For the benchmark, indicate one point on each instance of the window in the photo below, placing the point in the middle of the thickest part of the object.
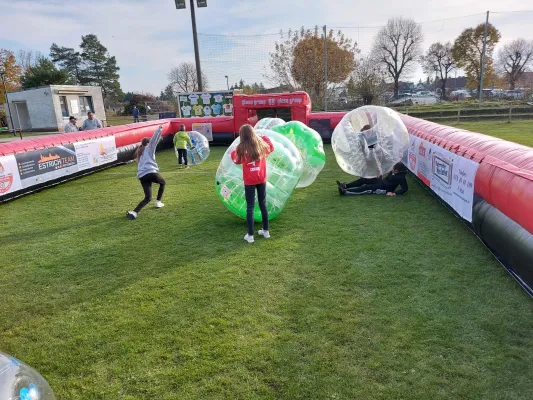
(64, 106)
(86, 104)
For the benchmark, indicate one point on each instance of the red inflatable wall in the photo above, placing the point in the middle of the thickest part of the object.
(504, 178)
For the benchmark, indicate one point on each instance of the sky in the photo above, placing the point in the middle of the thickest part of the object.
(149, 37)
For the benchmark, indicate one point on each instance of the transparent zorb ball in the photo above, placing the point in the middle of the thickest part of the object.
(309, 143)
(268, 123)
(284, 169)
(19, 381)
(369, 140)
(199, 151)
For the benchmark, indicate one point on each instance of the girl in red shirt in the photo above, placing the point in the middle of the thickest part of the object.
(251, 153)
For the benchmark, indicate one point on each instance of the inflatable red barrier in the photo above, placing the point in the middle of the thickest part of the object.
(505, 175)
(502, 212)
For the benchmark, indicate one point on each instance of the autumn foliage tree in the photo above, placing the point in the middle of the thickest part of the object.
(13, 72)
(298, 61)
(468, 52)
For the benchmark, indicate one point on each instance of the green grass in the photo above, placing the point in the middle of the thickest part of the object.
(352, 298)
(516, 131)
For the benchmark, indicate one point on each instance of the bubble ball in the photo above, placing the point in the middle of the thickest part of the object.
(268, 123)
(311, 148)
(199, 151)
(372, 152)
(20, 381)
(284, 169)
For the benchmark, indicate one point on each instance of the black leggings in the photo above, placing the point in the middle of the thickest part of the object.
(250, 204)
(182, 153)
(146, 182)
(364, 185)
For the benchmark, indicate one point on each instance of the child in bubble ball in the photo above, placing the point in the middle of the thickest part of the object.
(377, 185)
(251, 153)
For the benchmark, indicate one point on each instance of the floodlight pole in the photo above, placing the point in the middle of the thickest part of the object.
(483, 55)
(325, 70)
(227, 81)
(196, 50)
(2, 75)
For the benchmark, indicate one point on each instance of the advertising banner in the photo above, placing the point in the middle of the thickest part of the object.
(43, 165)
(9, 175)
(205, 129)
(23, 170)
(206, 104)
(449, 175)
(93, 153)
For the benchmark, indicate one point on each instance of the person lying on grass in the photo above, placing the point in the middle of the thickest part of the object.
(377, 185)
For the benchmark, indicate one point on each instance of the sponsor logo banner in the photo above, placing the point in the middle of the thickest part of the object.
(449, 175)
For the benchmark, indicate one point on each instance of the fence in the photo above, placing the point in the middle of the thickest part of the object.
(228, 60)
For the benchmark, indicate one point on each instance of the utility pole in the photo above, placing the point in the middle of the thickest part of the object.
(180, 4)
(196, 51)
(325, 70)
(2, 75)
(483, 55)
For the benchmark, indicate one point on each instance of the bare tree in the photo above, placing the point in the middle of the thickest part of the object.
(27, 59)
(398, 46)
(513, 59)
(367, 80)
(439, 59)
(184, 78)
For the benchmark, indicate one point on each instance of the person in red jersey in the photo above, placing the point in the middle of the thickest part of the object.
(251, 153)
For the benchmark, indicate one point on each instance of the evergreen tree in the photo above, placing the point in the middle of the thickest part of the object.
(68, 59)
(44, 73)
(92, 66)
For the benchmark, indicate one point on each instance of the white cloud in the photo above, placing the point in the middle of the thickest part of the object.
(148, 37)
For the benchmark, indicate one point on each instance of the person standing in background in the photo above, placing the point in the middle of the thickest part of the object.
(71, 125)
(135, 113)
(91, 123)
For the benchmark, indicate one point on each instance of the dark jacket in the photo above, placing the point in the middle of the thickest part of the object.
(392, 181)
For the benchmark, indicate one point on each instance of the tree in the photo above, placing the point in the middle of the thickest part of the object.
(439, 59)
(298, 61)
(398, 46)
(44, 73)
(100, 68)
(367, 80)
(8, 64)
(513, 59)
(27, 59)
(184, 78)
(92, 66)
(69, 59)
(468, 51)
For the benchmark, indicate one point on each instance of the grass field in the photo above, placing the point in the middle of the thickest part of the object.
(352, 298)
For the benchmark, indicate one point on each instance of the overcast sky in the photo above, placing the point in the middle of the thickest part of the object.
(148, 37)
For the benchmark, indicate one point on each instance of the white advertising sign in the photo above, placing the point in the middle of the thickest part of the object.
(449, 175)
(93, 153)
(9, 175)
(74, 106)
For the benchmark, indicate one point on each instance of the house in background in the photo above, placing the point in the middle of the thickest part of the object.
(48, 108)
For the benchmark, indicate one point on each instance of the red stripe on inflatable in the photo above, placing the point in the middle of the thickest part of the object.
(505, 175)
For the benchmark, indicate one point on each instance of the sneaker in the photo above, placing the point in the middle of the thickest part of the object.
(265, 234)
(342, 191)
(186, 167)
(131, 215)
(249, 238)
(341, 184)
(158, 204)
(380, 191)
